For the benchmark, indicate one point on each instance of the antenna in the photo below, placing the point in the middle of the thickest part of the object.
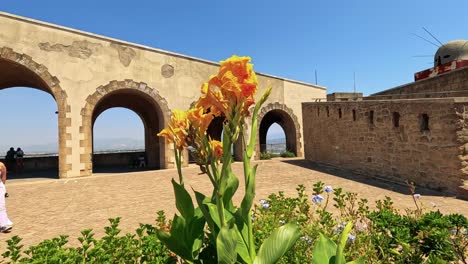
(426, 40)
(355, 97)
(354, 78)
(315, 76)
(432, 36)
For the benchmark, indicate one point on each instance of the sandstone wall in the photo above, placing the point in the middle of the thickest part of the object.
(452, 84)
(433, 156)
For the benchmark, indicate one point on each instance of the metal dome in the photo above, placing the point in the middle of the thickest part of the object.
(451, 51)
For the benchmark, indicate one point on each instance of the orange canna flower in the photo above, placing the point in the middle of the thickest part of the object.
(177, 130)
(212, 100)
(239, 70)
(199, 119)
(179, 119)
(217, 148)
(237, 84)
(167, 134)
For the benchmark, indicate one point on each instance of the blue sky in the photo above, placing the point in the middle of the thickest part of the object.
(291, 39)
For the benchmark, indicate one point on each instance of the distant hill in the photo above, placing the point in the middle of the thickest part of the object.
(106, 144)
(276, 140)
(102, 144)
(109, 144)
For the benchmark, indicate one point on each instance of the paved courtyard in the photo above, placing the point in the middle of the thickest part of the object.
(42, 209)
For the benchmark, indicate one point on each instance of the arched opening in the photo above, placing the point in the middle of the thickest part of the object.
(33, 120)
(150, 114)
(118, 141)
(275, 140)
(215, 131)
(283, 120)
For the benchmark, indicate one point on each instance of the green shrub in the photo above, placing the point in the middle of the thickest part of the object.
(144, 246)
(381, 236)
(288, 154)
(268, 155)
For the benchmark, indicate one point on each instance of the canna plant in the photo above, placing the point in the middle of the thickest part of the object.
(229, 94)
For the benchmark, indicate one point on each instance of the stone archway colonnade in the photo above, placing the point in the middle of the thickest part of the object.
(88, 74)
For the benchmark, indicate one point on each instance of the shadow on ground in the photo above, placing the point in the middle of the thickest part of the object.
(33, 175)
(53, 174)
(395, 186)
(107, 170)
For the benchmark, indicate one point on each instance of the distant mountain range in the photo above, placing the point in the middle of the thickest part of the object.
(276, 140)
(103, 144)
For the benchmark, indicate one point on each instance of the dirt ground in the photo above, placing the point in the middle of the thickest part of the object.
(42, 209)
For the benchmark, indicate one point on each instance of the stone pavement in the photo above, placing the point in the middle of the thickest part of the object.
(42, 209)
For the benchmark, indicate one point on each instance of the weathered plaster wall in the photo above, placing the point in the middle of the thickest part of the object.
(83, 62)
(435, 158)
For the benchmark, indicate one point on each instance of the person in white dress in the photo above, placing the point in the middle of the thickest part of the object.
(5, 224)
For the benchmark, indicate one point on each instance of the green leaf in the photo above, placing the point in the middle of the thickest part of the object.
(226, 245)
(186, 237)
(195, 232)
(232, 183)
(324, 250)
(213, 211)
(183, 201)
(202, 200)
(277, 244)
(340, 259)
(358, 261)
(249, 196)
(253, 132)
(242, 248)
(175, 240)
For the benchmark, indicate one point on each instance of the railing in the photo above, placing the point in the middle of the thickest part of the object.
(277, 148)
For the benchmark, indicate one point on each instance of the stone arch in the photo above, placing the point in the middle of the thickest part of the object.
(21, 70)
(138, 97)
(285, 117)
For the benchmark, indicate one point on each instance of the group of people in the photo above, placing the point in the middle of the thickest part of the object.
(14, 159)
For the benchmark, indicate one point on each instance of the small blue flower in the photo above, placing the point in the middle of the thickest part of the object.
(317, 199)
(342, 225)
(265, 205)
(339, 228)
(453, 231)
(263, 201)
(282, 222)
(361, 226)
(328, 189)
(351, 238)
(308, 240)
(417, 195)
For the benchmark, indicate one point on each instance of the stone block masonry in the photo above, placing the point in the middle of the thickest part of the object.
(452, 84)
(422, 140)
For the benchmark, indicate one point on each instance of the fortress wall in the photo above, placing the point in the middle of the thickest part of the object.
(434, 158)
(451, 84)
